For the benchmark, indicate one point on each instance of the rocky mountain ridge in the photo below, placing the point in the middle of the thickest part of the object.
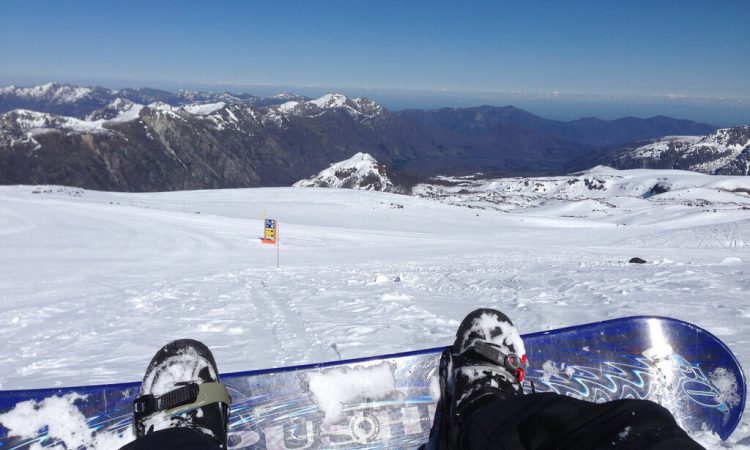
(588, 131)
(150, 140)
(128, 146)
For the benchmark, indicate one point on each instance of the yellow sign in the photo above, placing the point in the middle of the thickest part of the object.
(269, 232)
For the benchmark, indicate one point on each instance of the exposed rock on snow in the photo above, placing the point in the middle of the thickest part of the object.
(725, 152)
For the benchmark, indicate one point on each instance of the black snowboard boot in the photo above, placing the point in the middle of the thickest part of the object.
(487, 360)
(181, 389)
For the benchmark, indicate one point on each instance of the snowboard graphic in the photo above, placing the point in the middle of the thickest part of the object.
(389, 401)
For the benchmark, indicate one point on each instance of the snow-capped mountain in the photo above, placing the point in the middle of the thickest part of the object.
(191, 97)
(52, 92)
(55, 98)
(725, 152)
(361, 171)
(289, 96)
(362, 106)
(81, 102)
(356, 107)
(146, 139)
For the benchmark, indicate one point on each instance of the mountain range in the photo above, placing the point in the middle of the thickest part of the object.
(152, 140)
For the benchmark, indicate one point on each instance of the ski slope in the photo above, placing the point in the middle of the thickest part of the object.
(92, 283)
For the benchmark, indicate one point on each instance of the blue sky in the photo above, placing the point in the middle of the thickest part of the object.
(458, 51)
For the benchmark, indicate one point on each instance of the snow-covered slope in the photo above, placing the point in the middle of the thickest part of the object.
(361, 171)
(92, 283)
(727, 151)
(603, 191)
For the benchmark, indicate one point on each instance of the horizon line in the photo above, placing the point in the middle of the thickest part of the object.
(448, 92)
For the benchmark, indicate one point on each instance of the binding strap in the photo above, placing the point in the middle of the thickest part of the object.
(183, 399)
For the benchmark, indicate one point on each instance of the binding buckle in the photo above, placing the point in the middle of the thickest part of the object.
(513, 363)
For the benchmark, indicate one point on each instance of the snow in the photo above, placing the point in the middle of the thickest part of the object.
(182, 367)
(330, 101)
(129, 111)
(287, 107)
(93, 283)
(358, 107)
(333, 388)
(63, 421)
(203, 109)
(33, 122)
(483, 326)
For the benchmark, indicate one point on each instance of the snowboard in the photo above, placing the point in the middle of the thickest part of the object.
(389, 401)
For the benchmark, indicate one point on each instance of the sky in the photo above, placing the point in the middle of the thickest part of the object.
(417, 53)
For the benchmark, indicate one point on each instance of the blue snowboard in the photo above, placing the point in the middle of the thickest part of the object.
(389, 401)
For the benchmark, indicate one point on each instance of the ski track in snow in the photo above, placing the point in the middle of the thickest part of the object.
(93, 283)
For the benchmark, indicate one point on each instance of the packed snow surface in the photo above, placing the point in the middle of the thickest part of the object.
(93, 283)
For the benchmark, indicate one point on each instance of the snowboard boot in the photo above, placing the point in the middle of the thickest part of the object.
(486, 361)
(181, 389)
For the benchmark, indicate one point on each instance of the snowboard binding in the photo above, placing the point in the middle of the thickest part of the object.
(487, 360)
(181, 389)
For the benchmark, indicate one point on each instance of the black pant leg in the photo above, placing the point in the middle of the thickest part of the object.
(173, 438)
(551, 421)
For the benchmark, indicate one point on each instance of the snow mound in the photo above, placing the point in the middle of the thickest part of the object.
(361, 171)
